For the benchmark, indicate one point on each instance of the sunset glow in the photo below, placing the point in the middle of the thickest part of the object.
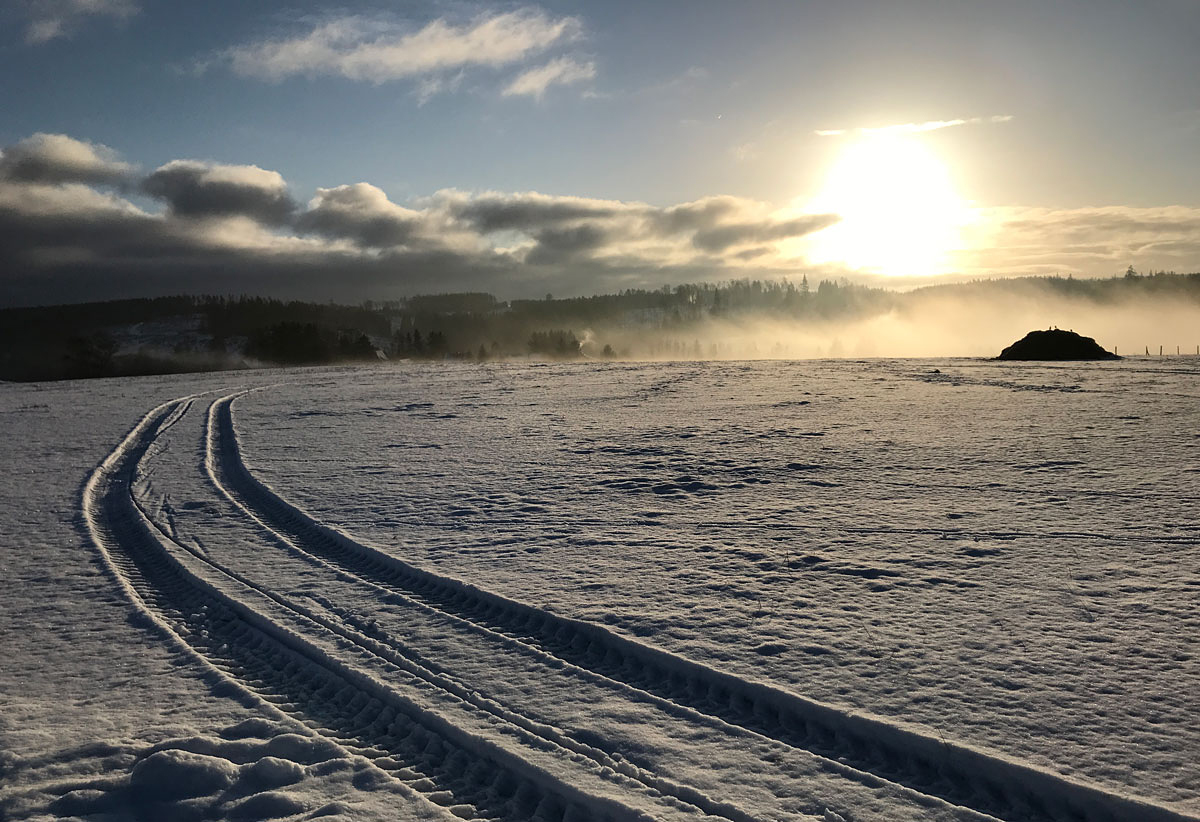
(901, 214)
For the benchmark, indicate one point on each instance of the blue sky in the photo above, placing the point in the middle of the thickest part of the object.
(1033, 138)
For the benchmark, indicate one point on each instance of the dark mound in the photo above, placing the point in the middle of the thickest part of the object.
(1055, 345)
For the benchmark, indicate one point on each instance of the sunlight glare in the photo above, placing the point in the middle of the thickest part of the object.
(901, 214)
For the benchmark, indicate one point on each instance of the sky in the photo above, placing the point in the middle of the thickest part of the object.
(374, 150)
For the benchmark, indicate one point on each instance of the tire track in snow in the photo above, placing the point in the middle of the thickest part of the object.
(549, 671)
(727, 756)
(985, 782)
(327, 615)
(269, 666)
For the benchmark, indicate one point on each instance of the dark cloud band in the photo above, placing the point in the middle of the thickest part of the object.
(193, 189)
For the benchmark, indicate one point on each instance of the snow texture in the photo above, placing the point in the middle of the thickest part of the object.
(820, 590)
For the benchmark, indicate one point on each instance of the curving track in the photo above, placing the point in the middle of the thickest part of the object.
(493, 708)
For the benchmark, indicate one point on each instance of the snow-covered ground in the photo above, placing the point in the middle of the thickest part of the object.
(891, 589)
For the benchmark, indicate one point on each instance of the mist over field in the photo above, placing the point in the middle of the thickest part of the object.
(735, 320)
(956, 324)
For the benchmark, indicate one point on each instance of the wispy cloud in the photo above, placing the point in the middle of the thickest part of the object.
(49, 19)
(745, 152)
(429, 87)
(378, 51)
(913, 128)
(561, 71)
(1098, 240)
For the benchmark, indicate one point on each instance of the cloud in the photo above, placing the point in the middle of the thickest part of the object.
(361, 213)
(57, 158)
(560, 71)
(43, 228)
(560, 245)
(49, 19)
(62, 218)
(1087, 241)
(196, 189)
(429, 87)
(700, 215)
(375, 50)
(236, 228)
(913, 128)
(1088, 224)
(492, 211)
(561, 228)
(723, 237)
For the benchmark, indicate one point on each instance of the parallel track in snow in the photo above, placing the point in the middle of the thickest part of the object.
(371, 640)
(982, 782)
(279, 664)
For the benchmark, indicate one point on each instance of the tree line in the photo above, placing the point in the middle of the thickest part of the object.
(184, 333)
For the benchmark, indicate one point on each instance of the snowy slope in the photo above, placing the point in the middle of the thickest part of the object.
(879, 590)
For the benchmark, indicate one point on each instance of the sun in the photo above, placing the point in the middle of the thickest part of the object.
(901, 215)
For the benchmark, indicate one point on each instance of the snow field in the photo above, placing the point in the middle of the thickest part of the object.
(1002, 556)
(656, 783)
(90, 692)
(879, 590)
(282, 654)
